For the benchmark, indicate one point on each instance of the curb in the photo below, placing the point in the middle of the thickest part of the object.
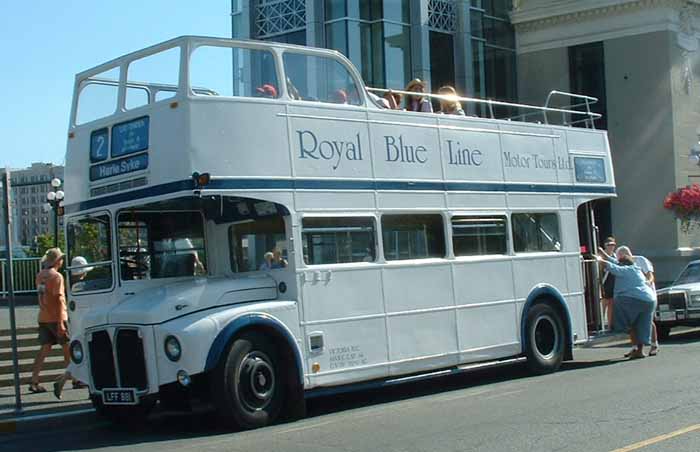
(57, 419)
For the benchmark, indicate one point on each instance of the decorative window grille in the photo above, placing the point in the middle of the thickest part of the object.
(442, 16)
(274, 17)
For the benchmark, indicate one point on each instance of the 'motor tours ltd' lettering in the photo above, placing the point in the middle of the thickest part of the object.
(311, 147)
(535, 161)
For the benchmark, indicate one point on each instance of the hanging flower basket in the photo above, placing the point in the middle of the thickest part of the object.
(685, 204)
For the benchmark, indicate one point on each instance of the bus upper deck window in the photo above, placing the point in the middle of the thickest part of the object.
(320, 79)
(160, 69)
(98, 96)
(233, 72)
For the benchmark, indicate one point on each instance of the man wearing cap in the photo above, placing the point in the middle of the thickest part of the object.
(267, 91)
(53, 316)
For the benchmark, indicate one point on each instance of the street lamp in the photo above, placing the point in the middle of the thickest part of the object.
(54, 200)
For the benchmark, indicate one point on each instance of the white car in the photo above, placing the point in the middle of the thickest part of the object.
(679, 303)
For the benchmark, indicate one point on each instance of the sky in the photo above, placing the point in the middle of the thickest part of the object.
(45, 43)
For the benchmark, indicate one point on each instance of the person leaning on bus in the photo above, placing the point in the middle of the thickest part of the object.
(53, 315)
(635, 301)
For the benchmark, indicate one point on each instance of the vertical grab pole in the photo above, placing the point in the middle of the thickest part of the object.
(7, 209)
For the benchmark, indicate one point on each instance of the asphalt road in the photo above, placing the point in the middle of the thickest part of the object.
(599, 402)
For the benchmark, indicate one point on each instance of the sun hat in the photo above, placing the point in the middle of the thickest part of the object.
(79, 261)
(415, 82)
(267, 90)
(52, 256)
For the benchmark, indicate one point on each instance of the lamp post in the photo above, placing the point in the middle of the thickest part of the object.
(54, 200)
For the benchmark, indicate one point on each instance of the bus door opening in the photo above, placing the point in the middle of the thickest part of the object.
(588, 240)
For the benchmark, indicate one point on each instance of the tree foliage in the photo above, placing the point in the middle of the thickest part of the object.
(46, 241)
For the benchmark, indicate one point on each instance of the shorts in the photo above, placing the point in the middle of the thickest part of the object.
(608, 286)
(48, 333)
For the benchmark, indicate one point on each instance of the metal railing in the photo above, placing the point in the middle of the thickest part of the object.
(584, 116)
(25, 270)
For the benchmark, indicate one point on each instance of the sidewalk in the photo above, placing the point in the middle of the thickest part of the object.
(40, 405)
(35, 406)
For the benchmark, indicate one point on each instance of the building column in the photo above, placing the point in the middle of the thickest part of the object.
(464, 67)
(420, 41)
(314, 24)
(242, 19)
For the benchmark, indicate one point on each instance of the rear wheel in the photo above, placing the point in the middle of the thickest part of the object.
(545, 339)
(248, 384)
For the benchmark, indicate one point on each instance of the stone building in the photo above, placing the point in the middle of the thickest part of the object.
(641, 59)
(30, 215)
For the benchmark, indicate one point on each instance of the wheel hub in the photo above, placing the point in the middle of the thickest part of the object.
(257, 381)
(546, 337)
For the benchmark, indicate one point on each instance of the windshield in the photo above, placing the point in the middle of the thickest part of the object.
(89, 254)
(691, 274)
(161, 244)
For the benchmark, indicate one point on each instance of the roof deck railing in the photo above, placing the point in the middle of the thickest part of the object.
(588, 119)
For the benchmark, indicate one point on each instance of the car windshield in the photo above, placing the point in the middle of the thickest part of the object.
(691, 274)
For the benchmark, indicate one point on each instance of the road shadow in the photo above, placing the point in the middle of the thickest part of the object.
(162, 427)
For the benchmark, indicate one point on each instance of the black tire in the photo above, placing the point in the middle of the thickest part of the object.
(248, 384)
(663, 332)
(545, 339)
(123, 415)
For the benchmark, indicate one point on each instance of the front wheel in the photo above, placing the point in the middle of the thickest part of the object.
(248, 386)
(545, 339)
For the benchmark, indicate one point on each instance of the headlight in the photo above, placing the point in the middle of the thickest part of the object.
(172, 348)
(76, 352)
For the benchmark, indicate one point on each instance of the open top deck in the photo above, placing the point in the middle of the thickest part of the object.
(267, 117)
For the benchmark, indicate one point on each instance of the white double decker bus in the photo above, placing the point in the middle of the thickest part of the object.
(259, 230)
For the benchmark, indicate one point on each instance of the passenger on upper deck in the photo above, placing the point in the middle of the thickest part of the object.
(450, 106)
(393, 99)
(267, 91)
(339, 96)
(417, 103)
(292, 90)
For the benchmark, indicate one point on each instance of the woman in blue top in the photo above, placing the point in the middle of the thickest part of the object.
(634, 302)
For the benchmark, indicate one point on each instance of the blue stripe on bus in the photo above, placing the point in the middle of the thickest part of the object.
(335, 184)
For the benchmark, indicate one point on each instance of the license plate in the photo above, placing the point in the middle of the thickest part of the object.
(119, 397)
(665, 316)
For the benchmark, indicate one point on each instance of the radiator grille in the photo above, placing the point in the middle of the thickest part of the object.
(102, 361)
(675, 300)
(131, 359)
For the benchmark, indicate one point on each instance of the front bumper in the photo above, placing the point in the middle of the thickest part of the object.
(688, 316)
